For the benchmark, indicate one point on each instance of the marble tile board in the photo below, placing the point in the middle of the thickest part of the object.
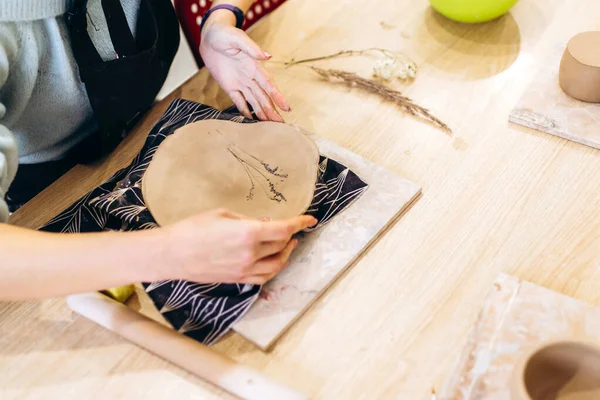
(546, 108)
(516, 316)
(322, 255)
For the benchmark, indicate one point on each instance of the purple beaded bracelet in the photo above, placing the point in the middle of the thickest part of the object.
(239, 14)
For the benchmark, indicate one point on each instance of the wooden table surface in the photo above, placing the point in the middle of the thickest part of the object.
(496, 197)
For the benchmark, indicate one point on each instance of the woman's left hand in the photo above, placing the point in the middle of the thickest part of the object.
(234, 60)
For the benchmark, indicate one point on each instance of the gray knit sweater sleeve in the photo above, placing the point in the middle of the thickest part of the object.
(8, 145)
(44, 108)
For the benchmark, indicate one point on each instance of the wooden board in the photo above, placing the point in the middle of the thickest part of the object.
(323, 255)
(516, 317)
(545, 107)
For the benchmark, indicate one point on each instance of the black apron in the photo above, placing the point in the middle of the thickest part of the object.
(120, 90)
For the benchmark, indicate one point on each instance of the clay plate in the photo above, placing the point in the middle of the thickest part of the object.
(265, 169)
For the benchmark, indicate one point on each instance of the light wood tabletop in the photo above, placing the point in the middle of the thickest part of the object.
(496, 197)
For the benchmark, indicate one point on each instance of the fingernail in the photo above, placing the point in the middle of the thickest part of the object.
(295, 243)
(264, 219)
(315, 222)
(267, 55)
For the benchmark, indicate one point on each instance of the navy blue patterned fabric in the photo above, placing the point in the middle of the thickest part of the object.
(202, 311)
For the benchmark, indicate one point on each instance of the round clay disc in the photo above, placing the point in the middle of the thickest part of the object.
(264, 169)
(579, 74)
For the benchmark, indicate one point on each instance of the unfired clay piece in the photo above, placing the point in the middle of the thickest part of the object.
(264, 169)
(579, 74)
(561, 370)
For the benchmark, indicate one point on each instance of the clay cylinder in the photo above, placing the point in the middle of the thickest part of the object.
(561, 370)
(579, 74)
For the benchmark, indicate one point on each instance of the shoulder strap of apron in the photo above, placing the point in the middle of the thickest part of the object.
(120, 35)
(121, 90)
(77, 22)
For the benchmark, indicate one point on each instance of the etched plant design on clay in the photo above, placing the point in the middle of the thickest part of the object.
(259, 172)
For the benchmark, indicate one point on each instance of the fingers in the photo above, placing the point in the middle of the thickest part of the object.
(283, 230)
(268, 84)
(232, 215)
(254, 103)
(265, 102)
(266, 249)
(269, 267)
(241, 41)
(240, 102)
(263, 91)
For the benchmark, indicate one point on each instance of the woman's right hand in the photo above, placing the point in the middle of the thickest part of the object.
(221, 246)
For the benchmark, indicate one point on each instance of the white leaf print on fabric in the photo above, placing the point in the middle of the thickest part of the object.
(202, 311)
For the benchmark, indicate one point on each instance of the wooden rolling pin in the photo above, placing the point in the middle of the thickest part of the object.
(179, 349)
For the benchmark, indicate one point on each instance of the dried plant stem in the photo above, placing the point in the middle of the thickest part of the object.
(252, 171)
(350, 79)
(342, 53)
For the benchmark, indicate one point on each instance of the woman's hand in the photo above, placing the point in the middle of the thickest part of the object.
(213, 247)
(220, 246)
(234, 61)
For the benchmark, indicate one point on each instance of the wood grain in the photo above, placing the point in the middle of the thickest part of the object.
(496, 197)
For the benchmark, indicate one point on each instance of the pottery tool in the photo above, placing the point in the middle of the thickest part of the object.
(179, 349)
(322, 255)
(545, 107)
(516, 317)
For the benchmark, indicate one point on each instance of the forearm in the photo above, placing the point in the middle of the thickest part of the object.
(37, 264)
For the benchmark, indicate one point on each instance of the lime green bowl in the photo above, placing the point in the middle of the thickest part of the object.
(472, 11)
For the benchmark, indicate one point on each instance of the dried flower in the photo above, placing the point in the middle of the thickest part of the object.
(384, 68)
(350, 79)
(390, 64)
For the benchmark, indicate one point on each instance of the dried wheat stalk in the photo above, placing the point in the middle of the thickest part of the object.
(350, 79)
(393, 63)
(342, 53)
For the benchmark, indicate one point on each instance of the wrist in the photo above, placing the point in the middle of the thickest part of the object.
(221, 16)
(153, 251)
(226, 14)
